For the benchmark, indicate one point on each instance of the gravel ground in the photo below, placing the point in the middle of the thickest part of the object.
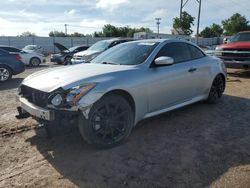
(197, 146)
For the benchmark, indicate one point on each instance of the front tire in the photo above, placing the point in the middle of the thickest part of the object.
(217, 89)
(109, 122)
(67, 60)
(5, 73)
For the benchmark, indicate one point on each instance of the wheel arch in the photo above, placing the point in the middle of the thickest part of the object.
(126, 95)
(224, 79)
(35, 57)
(6, 66)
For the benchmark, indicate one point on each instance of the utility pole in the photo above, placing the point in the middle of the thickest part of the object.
(181, 9)
(65, 25)
(198, 22)
(158, 26)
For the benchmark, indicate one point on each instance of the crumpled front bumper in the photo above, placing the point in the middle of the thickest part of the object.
(27, 109)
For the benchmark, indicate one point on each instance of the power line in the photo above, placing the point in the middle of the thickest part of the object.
(239, 5)
(182, 6)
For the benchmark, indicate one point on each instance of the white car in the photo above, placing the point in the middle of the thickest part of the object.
(33, 48)
(28, 58)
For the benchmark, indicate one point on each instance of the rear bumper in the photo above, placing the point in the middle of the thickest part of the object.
(19, 68)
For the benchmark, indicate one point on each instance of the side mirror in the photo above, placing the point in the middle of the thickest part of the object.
(164, 60)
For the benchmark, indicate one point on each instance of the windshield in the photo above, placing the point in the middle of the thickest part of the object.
(29, 47)
(100, 46)
(240, 37)
(132, 53)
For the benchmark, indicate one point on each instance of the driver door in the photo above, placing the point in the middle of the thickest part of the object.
(171, 84)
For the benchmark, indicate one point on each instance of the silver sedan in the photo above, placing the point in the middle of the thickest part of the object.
(122, 86)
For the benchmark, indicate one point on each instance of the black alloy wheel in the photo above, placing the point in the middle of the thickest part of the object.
(109, 123)
(216, 90)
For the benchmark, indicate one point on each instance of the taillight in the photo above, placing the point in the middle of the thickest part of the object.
(18, 57)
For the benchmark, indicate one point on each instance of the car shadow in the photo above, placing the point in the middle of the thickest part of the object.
(239, 73)
(10, 84)
(189, 147)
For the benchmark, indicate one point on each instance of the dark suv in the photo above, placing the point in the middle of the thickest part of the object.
(10, 64)
(65, 55)
(96, 49)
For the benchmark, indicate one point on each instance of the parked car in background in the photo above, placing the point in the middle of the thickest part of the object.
(28, 58)
(96, 49)
(33, 48)
(123, 85)
(10, 64)
(236, 52)
(65, 55)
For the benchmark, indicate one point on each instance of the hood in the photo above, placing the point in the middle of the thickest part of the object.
(53, 78)
(87, 53)
(236, 45)
(60, 46)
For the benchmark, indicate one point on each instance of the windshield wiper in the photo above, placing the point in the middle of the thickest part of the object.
(109, 63)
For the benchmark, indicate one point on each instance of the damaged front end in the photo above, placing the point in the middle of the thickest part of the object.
(56, 105)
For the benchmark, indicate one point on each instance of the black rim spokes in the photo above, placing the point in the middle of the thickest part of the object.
(109, 122)
(218, 87)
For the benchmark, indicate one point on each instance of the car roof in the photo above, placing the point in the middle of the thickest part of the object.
(4, 51)
(118, 39)
(163, 40)
(245, 31)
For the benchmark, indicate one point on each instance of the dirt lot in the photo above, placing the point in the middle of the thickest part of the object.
(197, 146)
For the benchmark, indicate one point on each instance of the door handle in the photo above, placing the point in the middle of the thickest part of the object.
(192, 69)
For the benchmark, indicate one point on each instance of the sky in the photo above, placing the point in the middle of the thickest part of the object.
(86, 16)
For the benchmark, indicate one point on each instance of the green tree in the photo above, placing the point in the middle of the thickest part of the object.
(136, 30)
(27, 34)
(214, 30)
(184, 24)
(57, 34)
(98, 34)
(112, 31)
(76, 34)
(234, 24)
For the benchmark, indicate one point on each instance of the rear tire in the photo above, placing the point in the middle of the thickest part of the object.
(35, 62)
(5, 73)
(217, 89)
(109, 122)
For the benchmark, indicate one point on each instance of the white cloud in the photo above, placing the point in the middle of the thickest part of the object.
(110, 5)
(43, 16)
(70, 12)
(159, 13)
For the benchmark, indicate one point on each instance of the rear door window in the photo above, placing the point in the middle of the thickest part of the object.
(195, 52)
(10, 49)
